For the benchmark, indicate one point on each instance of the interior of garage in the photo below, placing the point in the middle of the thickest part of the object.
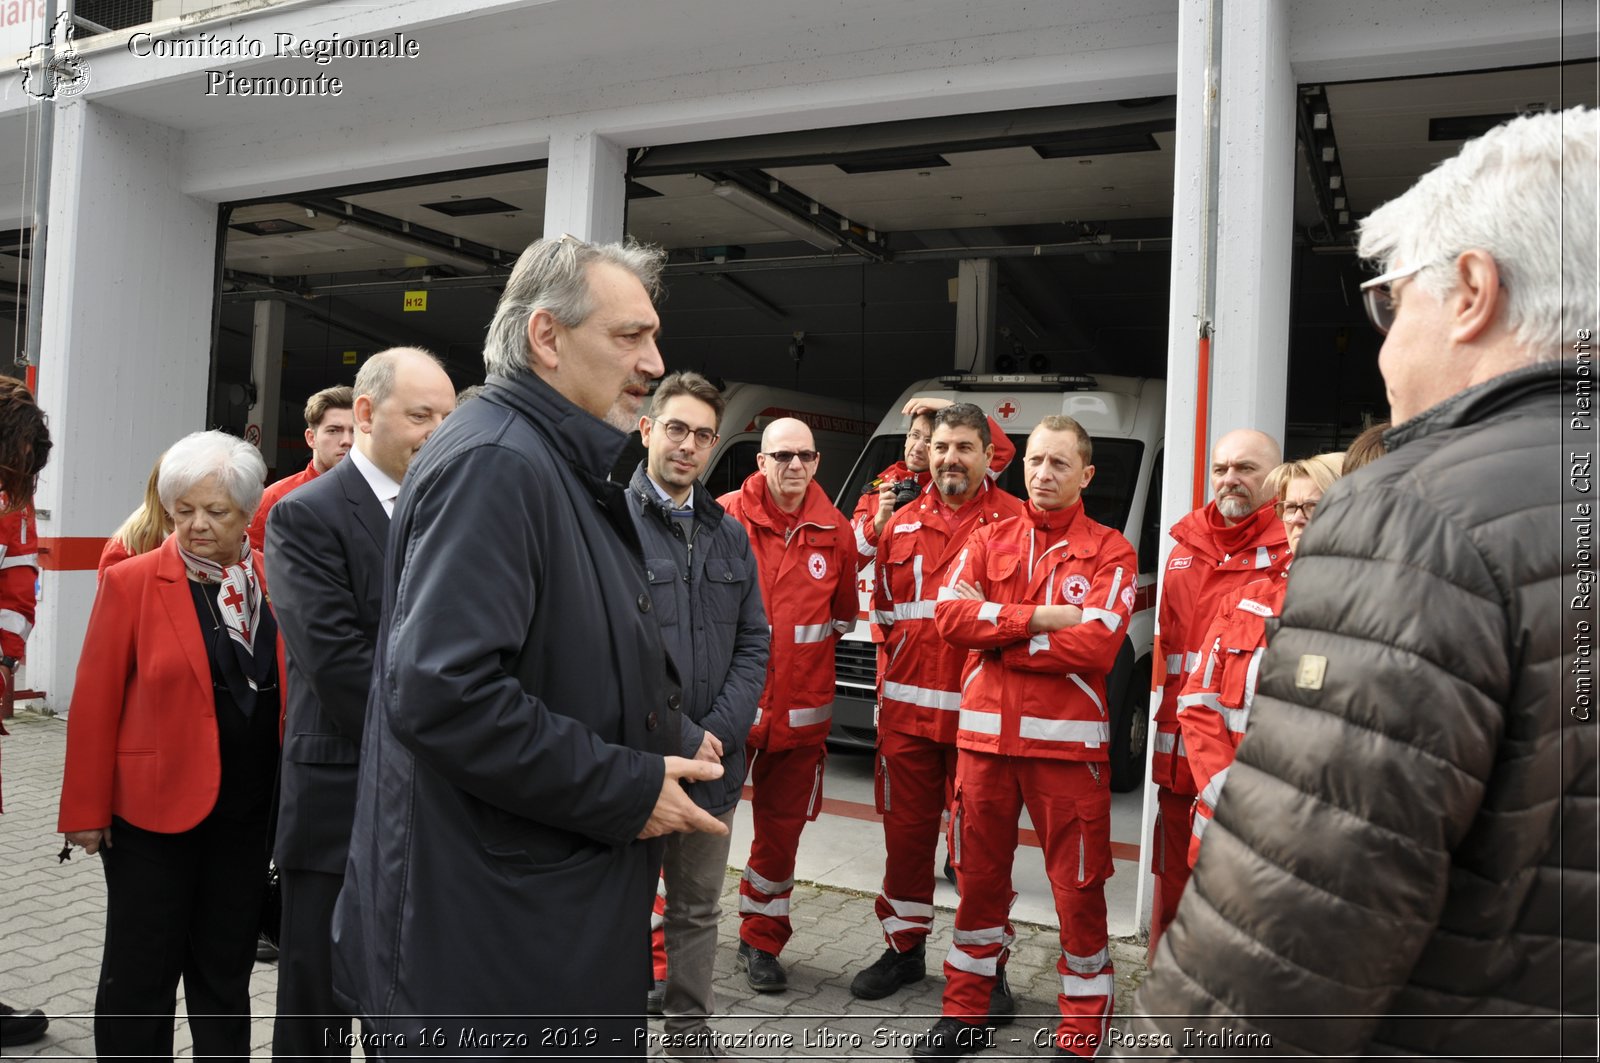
(829, 261)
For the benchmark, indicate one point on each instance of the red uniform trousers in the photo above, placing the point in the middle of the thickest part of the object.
(658, 933)
(914, 777)
(1169, 862)
(786, 793)
(1070, 804)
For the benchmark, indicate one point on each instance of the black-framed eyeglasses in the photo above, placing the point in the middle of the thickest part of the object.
(784, 457)
(677, 431)
(1291, 510)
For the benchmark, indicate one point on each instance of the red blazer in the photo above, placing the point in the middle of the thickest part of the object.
(142, 733)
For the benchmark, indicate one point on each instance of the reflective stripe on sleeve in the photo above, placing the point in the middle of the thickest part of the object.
(947, 594)
(1088, 732)
(946, 700)
(15, 622)
(914, 611)
(20, 560)
(1111, 599)
(1236, 719)
(1111, 620)
(864, 548)
(1174, 663)
(1039, 643)
(1213, 790)
(1171, 742)
(883, 616)
(990, 611)
(804, 633)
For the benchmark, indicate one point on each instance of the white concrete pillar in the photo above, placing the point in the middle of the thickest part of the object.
(266, 372)
(1255, 215)
(586, 187)
(129, 291)
(977, 294)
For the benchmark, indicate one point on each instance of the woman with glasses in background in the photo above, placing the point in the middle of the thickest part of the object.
(1214, 706)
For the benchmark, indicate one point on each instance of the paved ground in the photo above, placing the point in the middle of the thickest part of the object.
(52, 916)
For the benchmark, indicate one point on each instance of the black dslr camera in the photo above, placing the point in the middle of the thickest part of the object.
(906, 491)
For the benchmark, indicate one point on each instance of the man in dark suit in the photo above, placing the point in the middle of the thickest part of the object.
(326, 543)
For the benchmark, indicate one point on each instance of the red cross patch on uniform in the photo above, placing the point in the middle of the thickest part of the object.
(1127, 598)
(1075, 589)
(817, 565)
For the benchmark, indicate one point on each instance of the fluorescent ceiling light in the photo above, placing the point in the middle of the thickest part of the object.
(751, 203)
(399, 242)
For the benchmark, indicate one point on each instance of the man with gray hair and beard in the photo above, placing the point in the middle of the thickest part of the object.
(517, 757)
(1403, 861)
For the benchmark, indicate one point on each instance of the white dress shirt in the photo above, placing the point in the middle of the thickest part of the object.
(385, 488)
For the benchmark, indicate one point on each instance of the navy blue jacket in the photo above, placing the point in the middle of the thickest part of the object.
(708, 602)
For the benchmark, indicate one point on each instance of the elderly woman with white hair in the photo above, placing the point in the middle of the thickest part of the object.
(172, 749)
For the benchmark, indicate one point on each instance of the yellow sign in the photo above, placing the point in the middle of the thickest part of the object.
(349, 357)
(416, 301)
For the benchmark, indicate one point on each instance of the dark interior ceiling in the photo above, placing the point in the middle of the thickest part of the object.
(851, 238)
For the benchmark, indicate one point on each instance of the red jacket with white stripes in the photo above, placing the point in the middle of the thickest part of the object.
(19, 578)
(1040, 695)
(919, 673)
(808, 586)
(1214, 706)
(867, 505)
(1211, 561)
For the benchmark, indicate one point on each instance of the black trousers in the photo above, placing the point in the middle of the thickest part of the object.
(310, 1021)
(180, 906)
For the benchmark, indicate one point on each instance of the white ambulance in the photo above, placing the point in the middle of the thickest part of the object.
(1125, 417)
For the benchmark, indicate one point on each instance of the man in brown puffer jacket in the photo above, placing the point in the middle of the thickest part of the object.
(1404, 861)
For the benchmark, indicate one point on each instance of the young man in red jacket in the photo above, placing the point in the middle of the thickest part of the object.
(1234, 540)
(919, 686)
(878, 502)
(1041, 603)
(806, 557)
(330, 433)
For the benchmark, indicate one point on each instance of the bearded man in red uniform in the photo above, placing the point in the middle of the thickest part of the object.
(806, 558)
(1234, 540)
(919, 686)
(1041, 602)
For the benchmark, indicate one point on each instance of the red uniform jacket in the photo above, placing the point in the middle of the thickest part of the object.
(113, 553)
(1039, 695)
(808, 586)
(142, 733)
(1214, 706)
(269, 498)
(19, 578)
(867, 504)
(919, 673)
(1210, 562)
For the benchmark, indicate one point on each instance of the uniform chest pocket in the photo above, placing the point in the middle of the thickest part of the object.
(1000, 567)
(902, 548)
(1239, 657)
(722, 583)
(662, 572)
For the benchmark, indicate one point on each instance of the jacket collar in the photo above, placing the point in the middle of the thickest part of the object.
(576, 435)
(814, 508)
(358, 491)
(1479, 402)
(706, 509)
(1198, 530)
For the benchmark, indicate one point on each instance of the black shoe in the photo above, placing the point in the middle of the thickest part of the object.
(21, 1027)
(1002, 1005)
(891, 971)
(950, 1039)
(762, 969)
(266, 951)
(950, 871)
(656, 999)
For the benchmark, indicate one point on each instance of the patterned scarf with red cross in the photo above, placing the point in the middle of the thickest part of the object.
(238, 596)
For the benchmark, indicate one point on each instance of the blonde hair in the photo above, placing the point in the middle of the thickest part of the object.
(1320, 469)
(147, 526)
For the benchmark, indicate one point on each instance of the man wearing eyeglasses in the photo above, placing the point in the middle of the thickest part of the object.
(806, 555)
(1403, 861)
(703, 584)
(1235, 539)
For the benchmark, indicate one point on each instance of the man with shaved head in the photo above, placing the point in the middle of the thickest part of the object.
(1220, 547)
(806, 558)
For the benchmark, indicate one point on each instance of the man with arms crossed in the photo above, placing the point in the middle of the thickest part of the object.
(519, 738)
(326, 548)
(703, 585)
(920, 688)
(1041, 602)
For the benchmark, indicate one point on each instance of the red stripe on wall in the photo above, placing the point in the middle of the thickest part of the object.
(79, 553)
